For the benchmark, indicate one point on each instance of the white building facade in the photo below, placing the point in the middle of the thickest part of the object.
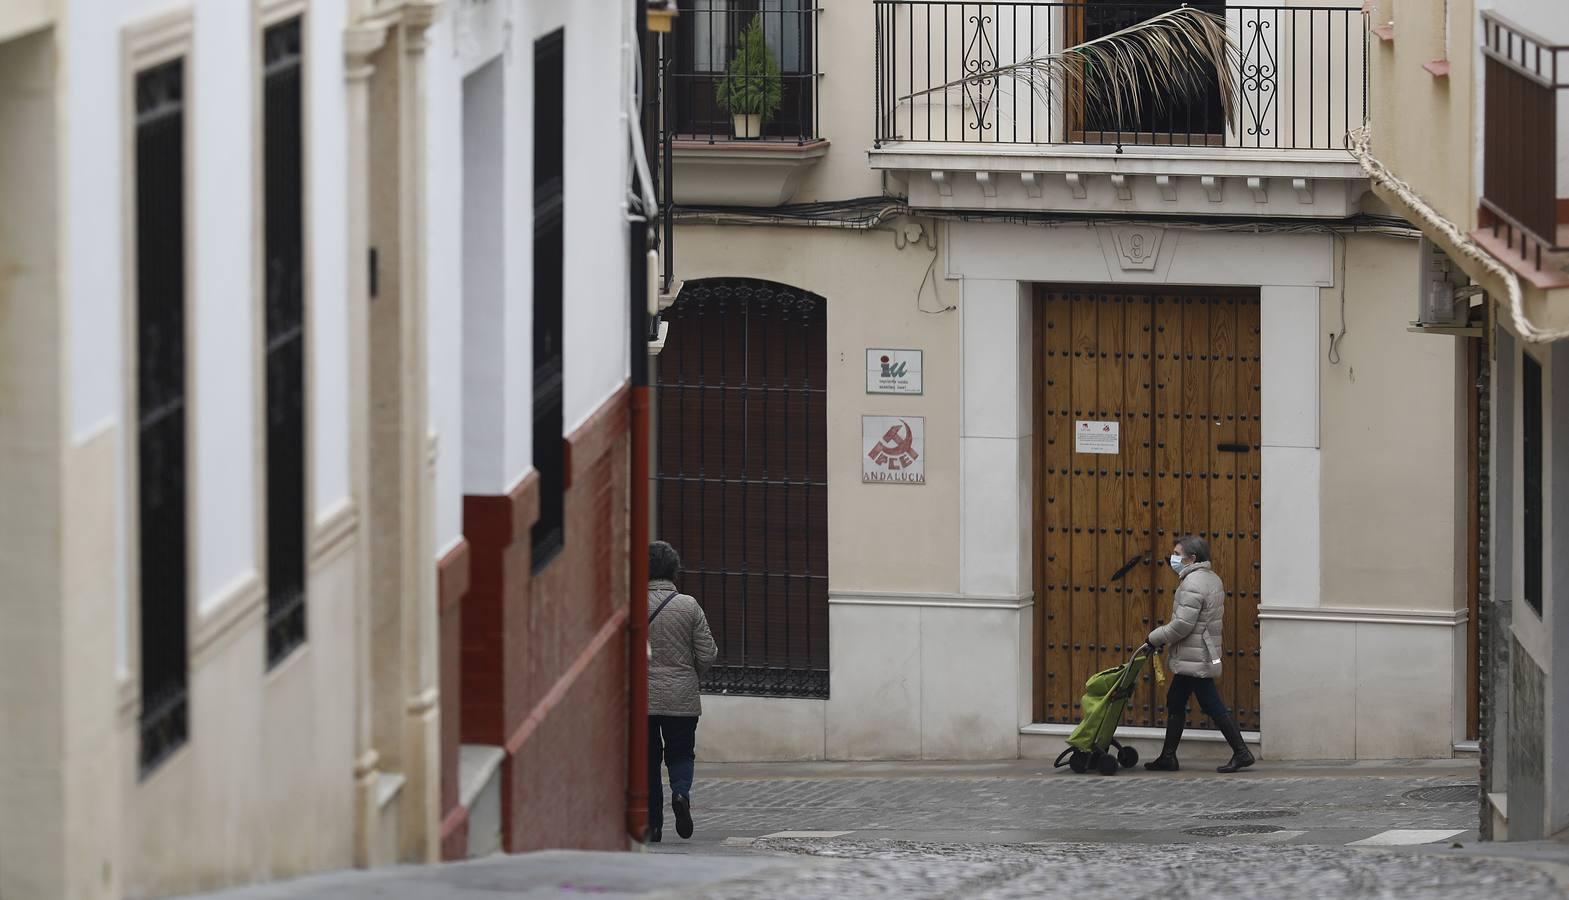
(270, 353)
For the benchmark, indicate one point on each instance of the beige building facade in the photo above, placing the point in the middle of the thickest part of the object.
(959, 615)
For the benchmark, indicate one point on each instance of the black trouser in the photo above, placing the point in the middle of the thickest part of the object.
(673, 740)
(1185, 686)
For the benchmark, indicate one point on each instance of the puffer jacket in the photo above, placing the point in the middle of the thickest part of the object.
(680, 650)
(1193, 634)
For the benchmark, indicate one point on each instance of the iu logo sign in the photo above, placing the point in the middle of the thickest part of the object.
(893, 447)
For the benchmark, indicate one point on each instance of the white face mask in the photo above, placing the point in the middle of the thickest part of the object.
(1176, 563)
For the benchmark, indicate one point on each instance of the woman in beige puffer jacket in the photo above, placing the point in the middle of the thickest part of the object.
(1193, 642)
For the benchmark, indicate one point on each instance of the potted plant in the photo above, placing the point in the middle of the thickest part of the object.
(752, 87)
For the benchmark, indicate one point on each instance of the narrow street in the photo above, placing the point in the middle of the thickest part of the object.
(1020, 829)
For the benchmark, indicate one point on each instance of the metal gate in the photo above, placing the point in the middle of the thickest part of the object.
(1178, 370)
(742, 476)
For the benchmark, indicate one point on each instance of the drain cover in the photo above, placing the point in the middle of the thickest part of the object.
(1249, 814)
(1228, 830)
(1455, 793)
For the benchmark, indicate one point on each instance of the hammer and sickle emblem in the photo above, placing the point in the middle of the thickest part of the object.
(893, 450)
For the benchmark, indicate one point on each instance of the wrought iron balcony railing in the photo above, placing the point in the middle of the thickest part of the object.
(1299, 76)
(1523, 199)
(720, 85)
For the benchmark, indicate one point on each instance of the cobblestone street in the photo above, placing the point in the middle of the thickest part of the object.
(1030, 801)
(1020, 829)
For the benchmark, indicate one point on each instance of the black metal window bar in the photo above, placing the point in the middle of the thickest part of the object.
(742, 475)
(164, 724)
(548, 535)
(704, 61)
(1522, 199)
(1531, 461)
(284, 222)
(1300, 75)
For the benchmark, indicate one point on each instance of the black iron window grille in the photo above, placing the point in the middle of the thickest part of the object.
(714, 76)
(164, 724)
(284, 218)
(549, 531)
(1300, 75)
(742, 477)
(1531, 462)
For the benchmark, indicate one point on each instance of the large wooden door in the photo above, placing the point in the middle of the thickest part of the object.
(1178, 370)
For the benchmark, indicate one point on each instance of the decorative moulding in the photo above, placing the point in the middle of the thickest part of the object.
(1124, 189)
(334, 533)
(1137, 248)
(240, 608)
(1367, 616)
(158, 39)
(271, 12)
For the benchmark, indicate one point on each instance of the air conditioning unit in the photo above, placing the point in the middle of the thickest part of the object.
(1443, 296)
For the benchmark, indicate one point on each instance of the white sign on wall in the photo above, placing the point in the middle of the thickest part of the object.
(893, 450)
(893, 371)
(1095, 437)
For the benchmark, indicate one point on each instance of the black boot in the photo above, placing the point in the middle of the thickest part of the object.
(1241, 757)
(1167, 761)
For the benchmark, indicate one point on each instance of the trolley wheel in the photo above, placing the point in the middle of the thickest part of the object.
(1079, 762)
(1128, 756)
(1107, 764)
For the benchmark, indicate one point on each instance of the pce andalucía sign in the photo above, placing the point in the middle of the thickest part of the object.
(893, 450)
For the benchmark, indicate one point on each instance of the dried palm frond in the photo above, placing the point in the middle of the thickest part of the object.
(1177, 54)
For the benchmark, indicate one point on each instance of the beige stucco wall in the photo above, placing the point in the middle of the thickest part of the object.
(885, 537)
(18, 17)
(1423, 127)
(263, 788)
(1388, 441)
(846, 104)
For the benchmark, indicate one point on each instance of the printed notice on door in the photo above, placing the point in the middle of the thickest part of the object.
(1095, 437)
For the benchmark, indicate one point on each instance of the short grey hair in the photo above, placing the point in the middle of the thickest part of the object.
(664, 564)
(1194, 546)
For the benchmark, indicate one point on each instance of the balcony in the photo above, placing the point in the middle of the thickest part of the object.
(740, 100)
(1019, 140)
(1523, 214)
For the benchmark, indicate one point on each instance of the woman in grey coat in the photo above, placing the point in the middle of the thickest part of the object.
(1192, 639)
(680, 650)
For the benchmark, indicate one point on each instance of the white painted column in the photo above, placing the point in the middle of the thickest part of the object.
(995, 447)
(995, 438)
(1290, 403)
(360, 44)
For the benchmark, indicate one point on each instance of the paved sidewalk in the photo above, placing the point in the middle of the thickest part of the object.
(1019, 829)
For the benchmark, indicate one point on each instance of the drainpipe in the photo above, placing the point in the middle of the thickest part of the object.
(637, 550)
